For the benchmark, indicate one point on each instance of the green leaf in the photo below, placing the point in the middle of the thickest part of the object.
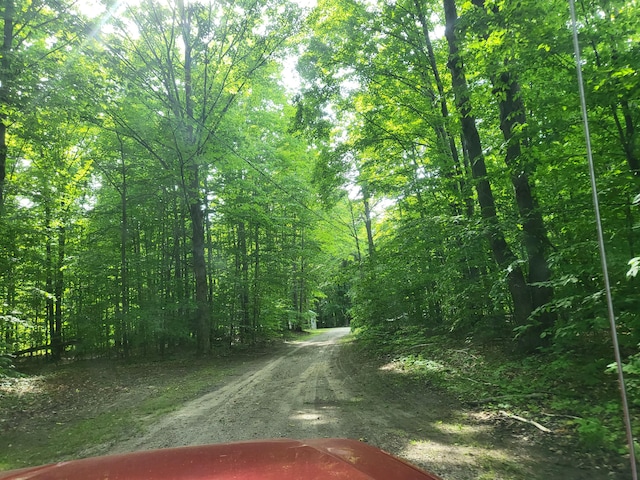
(634, 267)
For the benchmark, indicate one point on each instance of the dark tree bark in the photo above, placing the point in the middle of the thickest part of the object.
(462, 170)
(203, 326)
(302, 307)
(503, 255)
(536, 242)
(210, 270)
(256, 279)
(56, 340)
(245, 327)
(196, 210)
(627, 136)
(124, 274)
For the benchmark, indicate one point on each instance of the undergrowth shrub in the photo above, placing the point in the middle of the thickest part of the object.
(571, 392)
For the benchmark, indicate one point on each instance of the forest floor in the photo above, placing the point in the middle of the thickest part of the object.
(318, 386)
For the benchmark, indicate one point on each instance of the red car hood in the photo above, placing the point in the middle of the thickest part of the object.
(321, 459)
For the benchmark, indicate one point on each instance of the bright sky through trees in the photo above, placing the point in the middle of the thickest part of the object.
(95, 8)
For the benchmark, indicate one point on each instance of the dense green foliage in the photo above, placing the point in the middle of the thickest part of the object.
(574, 396)
(161, 189)
(473, 141)
(400, 131)
(155, 196)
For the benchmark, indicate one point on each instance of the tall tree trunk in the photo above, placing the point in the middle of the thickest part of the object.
(302, 283)
(256, 279)
(207, 226)
(141, 294)
(245, 333)
(124, 274)
(356, 238)
(49, 275)
(203, 322)
(536, 242)
(5, 69)
(507, 90)
(448, 137)
(504, 257)
(628, 136)
(176, 291)
(56, 340)
(11, 338)
(203, 325)
(469, 271)
(367, 221)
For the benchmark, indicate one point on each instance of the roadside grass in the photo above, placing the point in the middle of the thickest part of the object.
(304, 335)
(56, 413)
(310, 333)
(349, 338)
(574, 397)
(80, 431)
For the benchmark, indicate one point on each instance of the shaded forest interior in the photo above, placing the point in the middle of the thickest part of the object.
(168, 183)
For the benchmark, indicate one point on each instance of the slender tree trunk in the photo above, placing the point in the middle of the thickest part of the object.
(297, 277)
(185, 253)
(56, 340)
(367, 221)
(207, 226)
(211, 279)
(11, 333)
(233, 315)
(5, 77)
(448, 137)
(503, 255)
(124, 274)
(627, 136)
(244, 283)
(356, 238)
(145, 333)
(203, 321)
(536, 242)
(462, 171)
(49, 276)
(163, 284)
(203, 326)
(302, 282)
(176, 290)
(256, 279)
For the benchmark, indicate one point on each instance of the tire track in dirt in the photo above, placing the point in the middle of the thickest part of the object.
(321, 388)
(289, 396)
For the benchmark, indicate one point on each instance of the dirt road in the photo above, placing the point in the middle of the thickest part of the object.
(297, 395)
(320, 388)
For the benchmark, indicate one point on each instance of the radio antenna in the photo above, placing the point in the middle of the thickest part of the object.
(603, 255)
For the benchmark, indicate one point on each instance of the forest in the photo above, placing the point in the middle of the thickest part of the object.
(202, 175)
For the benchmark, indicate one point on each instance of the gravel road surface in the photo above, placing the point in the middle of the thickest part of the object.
(321, 388)
(296, 395)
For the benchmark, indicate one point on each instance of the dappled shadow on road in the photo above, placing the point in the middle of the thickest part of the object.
(408, 418)
(320, 387)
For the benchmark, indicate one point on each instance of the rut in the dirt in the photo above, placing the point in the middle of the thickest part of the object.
(323, 388)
